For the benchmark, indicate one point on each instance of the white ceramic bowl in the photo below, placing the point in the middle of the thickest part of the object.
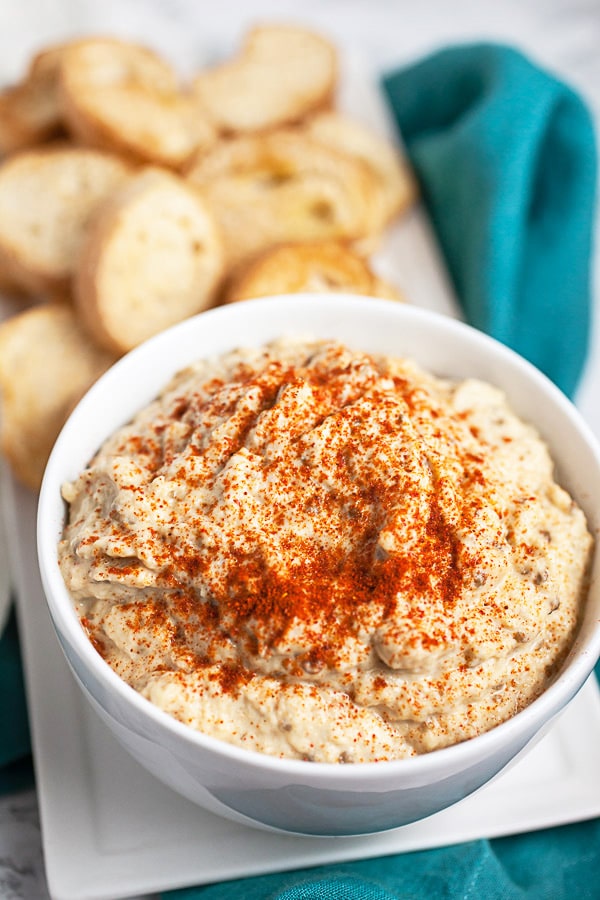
(290, 795)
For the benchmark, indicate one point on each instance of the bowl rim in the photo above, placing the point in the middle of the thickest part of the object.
(574, 671)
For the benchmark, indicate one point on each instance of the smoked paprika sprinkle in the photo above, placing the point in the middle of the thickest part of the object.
(318, 553)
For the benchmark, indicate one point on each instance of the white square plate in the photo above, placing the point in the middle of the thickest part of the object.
(111, 830)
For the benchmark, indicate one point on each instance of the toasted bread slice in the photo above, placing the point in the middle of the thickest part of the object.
(282, 187)
(152, 258)
(313, 267)
(47, 362)
(47, 197)
(281, 74)
(121, 97)
(395, 181)
(29, 111)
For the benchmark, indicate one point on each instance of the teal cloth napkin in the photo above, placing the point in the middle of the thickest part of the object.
(15, 750)
(506, 158)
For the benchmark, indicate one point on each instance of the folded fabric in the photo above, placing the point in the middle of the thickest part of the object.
(15, 749)
(506, 158)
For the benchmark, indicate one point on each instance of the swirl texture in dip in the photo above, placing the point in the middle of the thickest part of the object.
(316, 553)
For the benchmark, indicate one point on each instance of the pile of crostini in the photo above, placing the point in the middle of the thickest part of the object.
(129, 201)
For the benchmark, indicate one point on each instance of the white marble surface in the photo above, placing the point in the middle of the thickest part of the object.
(563, 35)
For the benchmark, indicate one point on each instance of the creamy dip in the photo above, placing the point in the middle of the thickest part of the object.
(320, 554)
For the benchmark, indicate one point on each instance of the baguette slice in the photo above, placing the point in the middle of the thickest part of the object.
(152, 258)
(47, 198)
(312, 267)
(283, 187)
(47, 362)
(121, 97)
(29, 111)
(396, 184)
(281, 74)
